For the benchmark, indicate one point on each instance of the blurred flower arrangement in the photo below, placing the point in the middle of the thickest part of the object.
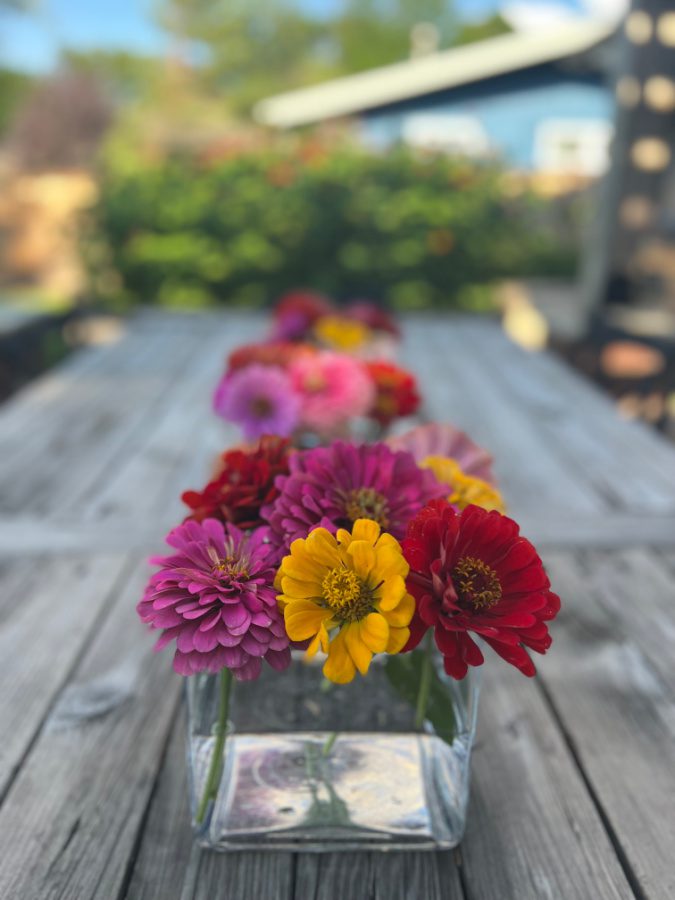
(344, 551)
(318, 373)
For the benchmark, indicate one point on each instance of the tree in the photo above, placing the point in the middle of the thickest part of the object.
(470, 32)
(14, 86)
(258, 47)
(125, 76)
(61, 123)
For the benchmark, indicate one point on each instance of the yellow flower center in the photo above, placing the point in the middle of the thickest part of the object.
(476, 583)
(346, 594)
(366, 503)
(230, 568)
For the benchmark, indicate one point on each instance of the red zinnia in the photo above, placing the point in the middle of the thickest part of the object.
(306, 303)
(272, 353)
(396, 392)
(373, 316)
(472, 571)
(243, 485)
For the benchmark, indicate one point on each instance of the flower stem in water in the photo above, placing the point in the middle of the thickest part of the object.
(425, 682)
(330, 740)
(213, 777)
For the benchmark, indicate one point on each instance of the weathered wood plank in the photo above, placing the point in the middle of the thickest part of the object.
(26, 535)
(93, 427)
(69, 825)
(268, 875)
(581, 421)
(614, 530)
(609, 681)
(378, 876)
(48, 610)
(489, 385)
(184, 436)
(458, 387)
(533, 831)
(163, 861)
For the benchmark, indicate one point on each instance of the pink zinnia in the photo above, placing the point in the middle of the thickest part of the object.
(333, 388)
(436, 439)
(216, 598)
(260, 399)
(336, 485)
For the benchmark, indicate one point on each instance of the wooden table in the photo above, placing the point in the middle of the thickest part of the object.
(574, 772)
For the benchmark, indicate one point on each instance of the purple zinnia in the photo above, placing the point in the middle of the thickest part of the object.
(260, 399)
(215, 596)
(336, 485)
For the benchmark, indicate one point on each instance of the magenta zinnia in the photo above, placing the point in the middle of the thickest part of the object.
(215, 597)
(336, 485)
(260, 399)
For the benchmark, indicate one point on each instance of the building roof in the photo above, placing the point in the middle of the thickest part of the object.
(424, 75)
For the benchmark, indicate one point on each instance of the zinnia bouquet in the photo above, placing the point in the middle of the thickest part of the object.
(353, 585)
(293, 389)
(360, 327)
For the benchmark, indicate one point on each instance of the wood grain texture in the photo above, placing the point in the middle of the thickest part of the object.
(48, 612)
(378, 876)
(69, 824)
(556, 439)
(533, 831)
(610, 681)
(163, 864)
(573, 773)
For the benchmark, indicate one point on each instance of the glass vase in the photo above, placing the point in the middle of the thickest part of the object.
(309, 765)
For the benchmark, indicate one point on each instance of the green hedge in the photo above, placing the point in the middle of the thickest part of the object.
(416, 232)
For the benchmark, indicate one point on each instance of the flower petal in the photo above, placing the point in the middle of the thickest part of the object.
(304, 619)
(360, 653)
(292, 587)
(362, 557)
(398, 638)
(366, 530)
(374, 632)
(339, 667)
(401, 615)
(390, 593)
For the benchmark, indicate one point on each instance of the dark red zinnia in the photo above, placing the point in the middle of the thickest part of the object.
(373, 316)
(243, 484)
(309, 304)
(396, 392)
(471, 571)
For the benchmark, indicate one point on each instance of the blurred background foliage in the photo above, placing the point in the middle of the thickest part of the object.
(194, 206)
(241, 226)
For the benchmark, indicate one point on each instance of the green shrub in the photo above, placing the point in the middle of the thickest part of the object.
(413, 231)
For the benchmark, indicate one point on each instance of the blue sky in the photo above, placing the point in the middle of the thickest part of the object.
(31, 42)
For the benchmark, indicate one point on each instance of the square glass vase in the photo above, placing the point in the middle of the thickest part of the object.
(307, 765)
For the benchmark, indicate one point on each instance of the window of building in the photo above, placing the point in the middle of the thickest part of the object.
(463, 135)
(574, 146)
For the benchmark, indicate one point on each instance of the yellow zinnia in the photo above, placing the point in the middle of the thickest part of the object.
(346, 594)
(466, 489)
(341, 333)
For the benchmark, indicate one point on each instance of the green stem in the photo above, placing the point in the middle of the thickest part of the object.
(213, 777)
(330, 740)
(425, 682)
